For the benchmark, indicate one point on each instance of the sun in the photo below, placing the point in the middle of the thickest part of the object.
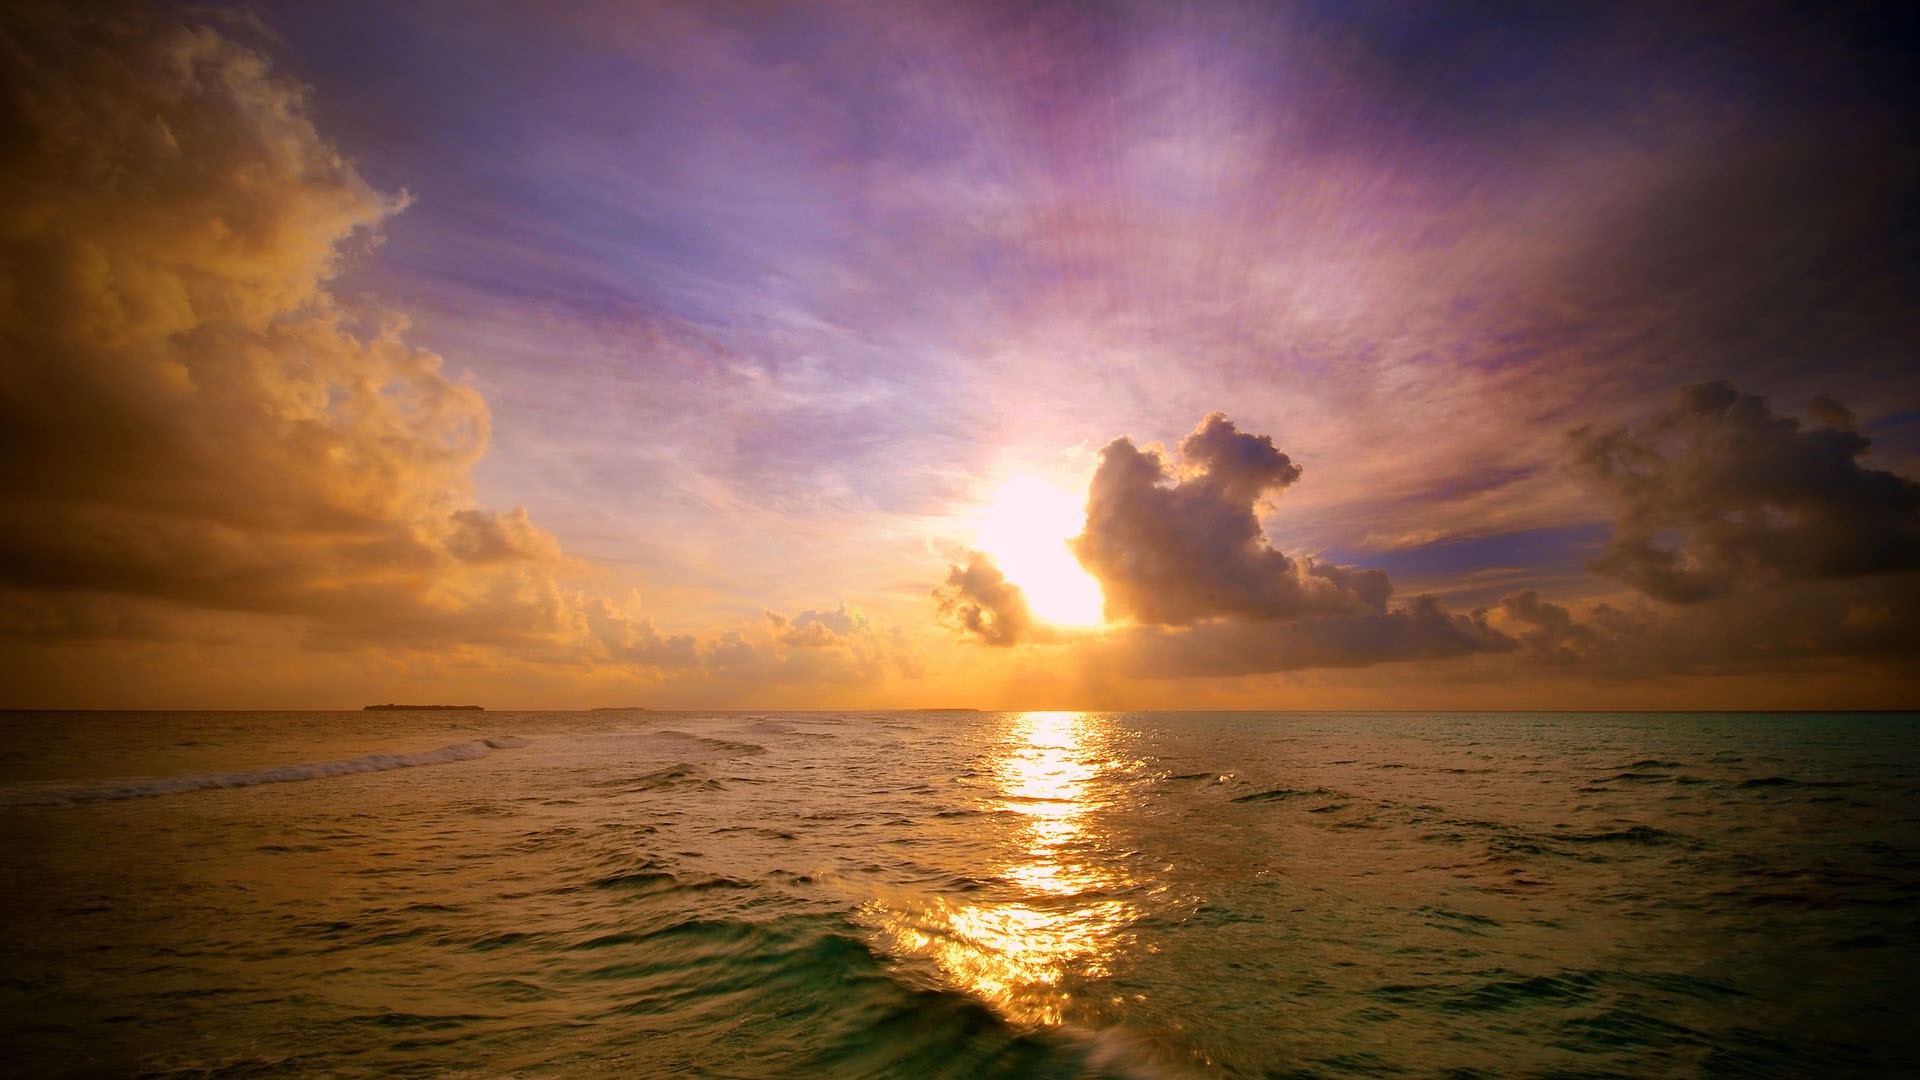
(1027, 525)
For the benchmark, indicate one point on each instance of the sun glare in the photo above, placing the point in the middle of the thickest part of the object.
(1026, 529)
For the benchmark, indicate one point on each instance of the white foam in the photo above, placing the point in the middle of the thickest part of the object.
(174, 785)
(1118, 1050)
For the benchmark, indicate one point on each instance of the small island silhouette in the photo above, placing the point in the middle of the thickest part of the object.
(392, 707)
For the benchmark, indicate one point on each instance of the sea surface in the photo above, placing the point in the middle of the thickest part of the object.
(958, 894)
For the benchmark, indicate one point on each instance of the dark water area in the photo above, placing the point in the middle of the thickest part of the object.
(959, 894)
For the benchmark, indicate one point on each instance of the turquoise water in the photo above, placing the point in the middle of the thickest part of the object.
(959, 894)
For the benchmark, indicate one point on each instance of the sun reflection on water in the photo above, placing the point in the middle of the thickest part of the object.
(1059, 919)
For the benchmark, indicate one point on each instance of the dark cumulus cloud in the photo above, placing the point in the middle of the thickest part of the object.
(1551, 634)
(978, 600)
(1172, 551)
(1181, 552)
(1421, 630)
(1719, 494)
(1188, 571)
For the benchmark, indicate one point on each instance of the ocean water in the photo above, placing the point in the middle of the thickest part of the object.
(953, 894)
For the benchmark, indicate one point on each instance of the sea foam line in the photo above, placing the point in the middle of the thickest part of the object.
(174, 785)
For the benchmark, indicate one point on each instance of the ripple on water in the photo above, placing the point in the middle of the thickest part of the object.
(1059, 895)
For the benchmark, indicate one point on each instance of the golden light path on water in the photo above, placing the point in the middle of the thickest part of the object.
(1059, 922)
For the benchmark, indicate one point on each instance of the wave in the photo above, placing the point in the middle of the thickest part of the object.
(723, 747)
(1789, 782)
(680, 774)
(111, 790)
(1632, 834)
(1281, 794)
(649, 878)
(813, 995)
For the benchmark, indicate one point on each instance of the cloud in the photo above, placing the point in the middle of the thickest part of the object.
(484, 536)
(194, 431)
(977, 599)
(1196, 588)
(31, 615)
(1173, 551)
(818, 629)
(840, 646)
(1720, 494)
(1422, 630)
(188, 415)
(1758, 544)
(1846, 626)
(1552, 634)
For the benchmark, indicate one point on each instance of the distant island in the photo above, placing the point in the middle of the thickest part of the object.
(393, 708)
(618, 708)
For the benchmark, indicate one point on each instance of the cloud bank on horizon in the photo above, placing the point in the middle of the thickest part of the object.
(746, 316)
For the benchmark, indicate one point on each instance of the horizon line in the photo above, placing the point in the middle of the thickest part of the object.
(961, 709)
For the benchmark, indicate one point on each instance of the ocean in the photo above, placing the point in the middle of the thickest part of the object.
(959, 894)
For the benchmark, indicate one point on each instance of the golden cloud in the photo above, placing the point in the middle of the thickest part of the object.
(190, 421)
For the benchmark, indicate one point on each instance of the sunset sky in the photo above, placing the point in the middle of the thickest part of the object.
(1161, 355)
